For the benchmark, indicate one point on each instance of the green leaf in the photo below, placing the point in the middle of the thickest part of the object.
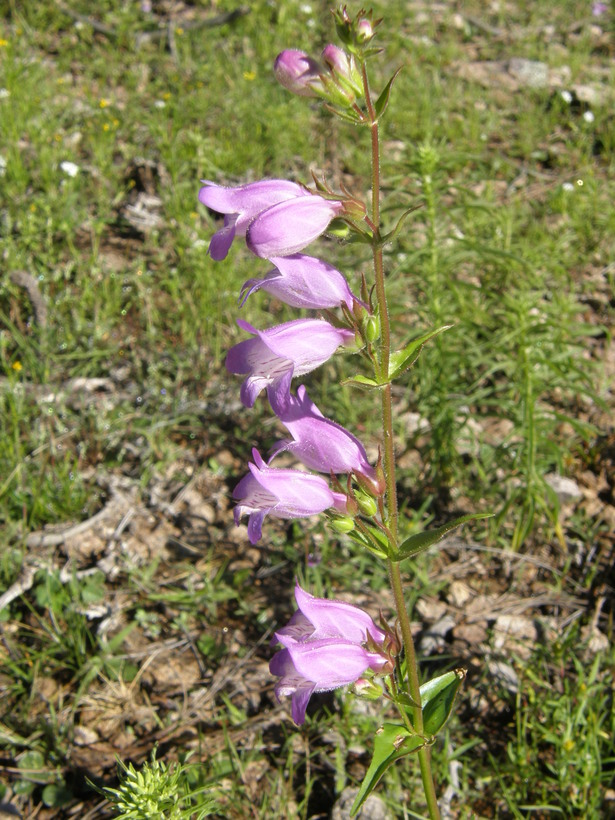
(391, 235)
(362, 539)
(392, 741)
(437, 699)
(403, 359)
(364, 381)
(421, 541)
(382, 102)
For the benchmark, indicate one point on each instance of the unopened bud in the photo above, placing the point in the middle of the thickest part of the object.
(365, 30)
(344, 71)
(367, 505)
(298, 72)
(343, 524)
(372, 485)
(371, 328)
(367, 689)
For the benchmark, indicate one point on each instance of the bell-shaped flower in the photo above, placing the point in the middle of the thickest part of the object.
(275, 355)
(298, 72)
(304, 282)
(327, 644)
(321, 444)
(281, 493)
(290, 226)
(241, 204)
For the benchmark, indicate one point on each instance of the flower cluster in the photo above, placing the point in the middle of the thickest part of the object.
(327, 644)
(279, 219)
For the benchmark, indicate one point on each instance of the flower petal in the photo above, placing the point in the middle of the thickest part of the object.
(289, 226)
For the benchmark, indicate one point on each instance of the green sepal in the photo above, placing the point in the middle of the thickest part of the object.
(380, 106)
(438, 698)
(392, 741)
(421, 541)
(403, 359)
(348, 115)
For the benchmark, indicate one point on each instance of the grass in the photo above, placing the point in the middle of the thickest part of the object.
(119, 397)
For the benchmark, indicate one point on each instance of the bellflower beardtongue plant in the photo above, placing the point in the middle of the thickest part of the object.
(303, 282)
(241, 205)
(321, 444)
(281, 493)
(274, 356)
(327, 644)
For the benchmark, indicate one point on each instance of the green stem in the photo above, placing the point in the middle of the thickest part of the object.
(413, 684)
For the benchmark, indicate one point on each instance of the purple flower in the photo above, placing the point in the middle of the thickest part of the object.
(303, 282)
(598, 9)
(281, 493)
(318, 442)
(297, 72)
(289, 226)
(324, 648)
(275, 355)
(241, 204)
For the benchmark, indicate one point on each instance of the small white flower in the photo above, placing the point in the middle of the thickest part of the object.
(2, 166)
(4, 93)
(69, 168)
(588, 116)
(567, 186)
(566, 96)
(160, 104)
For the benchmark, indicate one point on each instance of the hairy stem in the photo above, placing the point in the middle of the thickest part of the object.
(413, 684)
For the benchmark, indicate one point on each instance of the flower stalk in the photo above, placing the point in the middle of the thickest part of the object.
(413, 683)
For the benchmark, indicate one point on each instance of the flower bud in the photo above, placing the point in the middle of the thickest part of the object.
(367, 689)
(365, 30)
(343, 524)
(367, 505)
(298, 72)
(344, 72)
(371, 328)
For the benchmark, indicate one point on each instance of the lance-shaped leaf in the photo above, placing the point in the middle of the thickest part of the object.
(373, 540)
(365, 382)
(394, 741)
(421, 541)
(437, 698)
(403, 359)
(382, 102)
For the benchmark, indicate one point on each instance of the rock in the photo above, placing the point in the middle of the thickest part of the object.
(566, 489)
(504, 674)
(374, 807)
(528, 73)
(516, 633)
(459, 593)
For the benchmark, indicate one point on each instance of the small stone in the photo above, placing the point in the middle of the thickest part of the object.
(504, 674)
(529, 73)
(566, 489)
(459, 593)
(374, 807)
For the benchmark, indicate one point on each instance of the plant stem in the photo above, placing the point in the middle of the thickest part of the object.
(413, 685)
